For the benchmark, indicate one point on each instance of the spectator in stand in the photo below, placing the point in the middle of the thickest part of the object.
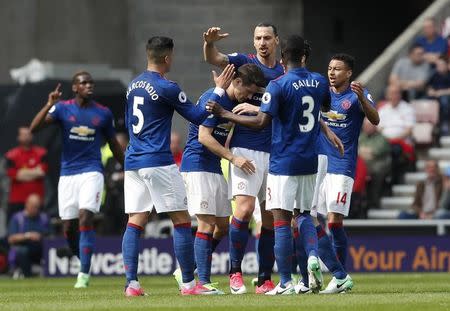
(375, 150)
(115, 219)
(397, 119)
(434, 45)
(26, 230)
(438, 87)
(428, 194)
(26, 169)
(444, 205)
(175, 147)
(411, 73)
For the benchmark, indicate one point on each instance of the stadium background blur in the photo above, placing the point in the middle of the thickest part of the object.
(107, 38)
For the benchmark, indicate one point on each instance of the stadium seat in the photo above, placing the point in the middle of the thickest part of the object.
(426, 110)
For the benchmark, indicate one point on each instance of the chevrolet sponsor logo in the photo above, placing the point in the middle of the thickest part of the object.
(82, 130)
(334, 115)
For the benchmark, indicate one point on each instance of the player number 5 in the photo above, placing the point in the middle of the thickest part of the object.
(138, 100)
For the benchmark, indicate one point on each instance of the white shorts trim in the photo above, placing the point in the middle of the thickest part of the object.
(335, 194)
(254, 185)
(289, 192)
(207, 194)
(80, 191)
(159, 187)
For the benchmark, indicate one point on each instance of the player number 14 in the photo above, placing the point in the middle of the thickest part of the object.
(342, 199)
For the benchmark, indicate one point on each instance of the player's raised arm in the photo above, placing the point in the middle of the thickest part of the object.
(366, 105)
(42, 118)
(198, 113)
(210, 52)
(206, 139)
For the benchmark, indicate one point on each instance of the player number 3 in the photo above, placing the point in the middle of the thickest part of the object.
(138, 100)
(304, 128)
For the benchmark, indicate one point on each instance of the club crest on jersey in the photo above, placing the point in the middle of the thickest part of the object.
(266, 98)
(95, 121)
(346, 104)
(72, 119)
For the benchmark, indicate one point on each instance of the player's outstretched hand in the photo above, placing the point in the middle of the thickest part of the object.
(213, 35)
(224, 80)
(244, 164)
(357, 88)
(55, 95)
(214, 108)
(246, 108)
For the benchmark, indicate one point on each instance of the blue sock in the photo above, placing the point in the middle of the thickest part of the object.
(327, 254)
(130, 250)
(266, 258)
(87, 241)
(203, 251)
(283, 250)
(302, 258)
(308, 234)
(238, 241)
(340, 242)
(257, 237)
(184, 250)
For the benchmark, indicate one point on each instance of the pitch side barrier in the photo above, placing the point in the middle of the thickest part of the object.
(374, 246)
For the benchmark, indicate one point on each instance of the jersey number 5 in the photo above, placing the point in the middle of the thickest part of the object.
(307, 113)
(138, 100)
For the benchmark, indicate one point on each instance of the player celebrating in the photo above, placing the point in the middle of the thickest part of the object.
(350, 103)
(151, 176)
(252, 144)
(206, 187)
(292, 103)
(84, 123)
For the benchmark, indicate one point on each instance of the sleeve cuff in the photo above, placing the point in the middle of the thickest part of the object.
(219, 91)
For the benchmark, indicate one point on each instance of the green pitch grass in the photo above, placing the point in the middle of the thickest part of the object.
(371, 292)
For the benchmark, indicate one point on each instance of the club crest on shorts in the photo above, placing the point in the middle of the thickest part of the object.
(346, 104)
(241, 185)
(203, 204)
(185, 201)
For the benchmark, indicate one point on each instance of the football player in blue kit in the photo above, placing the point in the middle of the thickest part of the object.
(206, 188)
(152, 179)
(84, 124)
(350, 104)
(255, 145)
(291, 103)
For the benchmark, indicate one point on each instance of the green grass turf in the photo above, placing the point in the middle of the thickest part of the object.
(371, 292)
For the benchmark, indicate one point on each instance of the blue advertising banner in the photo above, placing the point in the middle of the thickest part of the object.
(366, 254)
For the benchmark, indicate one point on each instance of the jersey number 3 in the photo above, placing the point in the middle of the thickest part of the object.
(138, 100)
(307, 113)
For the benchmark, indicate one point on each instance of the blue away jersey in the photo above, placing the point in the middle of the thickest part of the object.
(345, 119)
(83, 130)
(245, 137)
(151, 101)
(198, 158)
(294, 102)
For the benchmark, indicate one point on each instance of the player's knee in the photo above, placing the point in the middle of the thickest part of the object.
(335, 217)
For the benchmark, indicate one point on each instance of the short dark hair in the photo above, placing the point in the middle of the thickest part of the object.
(293, 48)
(415, 46)
(158, 48)
(266, 24)
(79, 73)
(251, 74)
(347, 59)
